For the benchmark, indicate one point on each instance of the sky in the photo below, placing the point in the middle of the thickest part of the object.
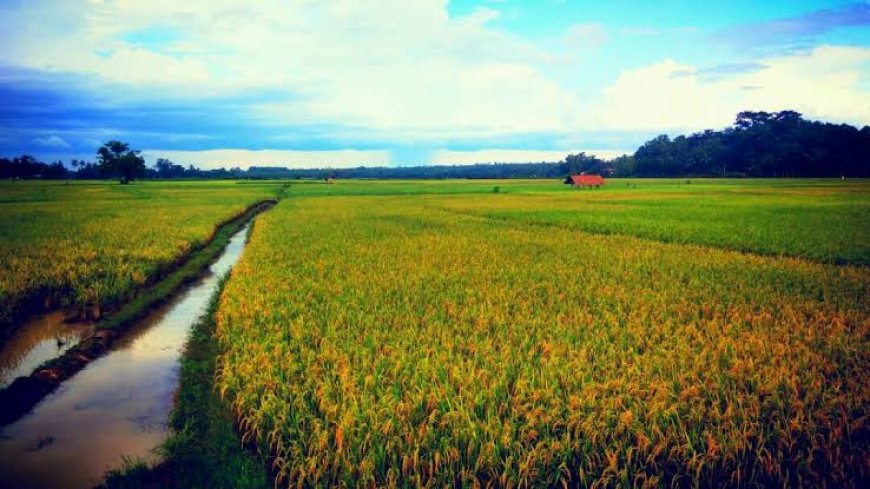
(321, 83)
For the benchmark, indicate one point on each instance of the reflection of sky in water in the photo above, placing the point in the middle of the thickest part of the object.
(36, 342)
(116, 406)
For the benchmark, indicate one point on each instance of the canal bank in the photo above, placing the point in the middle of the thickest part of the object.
(19, 397)
(117, 406)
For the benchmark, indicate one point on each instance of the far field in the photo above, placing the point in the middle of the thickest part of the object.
(825, 220)
(526, 334)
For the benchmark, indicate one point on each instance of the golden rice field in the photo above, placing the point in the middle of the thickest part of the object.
(85, 245)
(423, 340)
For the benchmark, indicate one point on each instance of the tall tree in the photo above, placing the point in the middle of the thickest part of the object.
(167, 169)
(117, 159)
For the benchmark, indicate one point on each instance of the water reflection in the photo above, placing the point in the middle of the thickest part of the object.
(116, 406)
(38, 340)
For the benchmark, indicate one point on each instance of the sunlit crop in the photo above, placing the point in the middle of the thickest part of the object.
(419, 340)
(86, 245)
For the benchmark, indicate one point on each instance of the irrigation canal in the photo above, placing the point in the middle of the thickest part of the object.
(117, 406)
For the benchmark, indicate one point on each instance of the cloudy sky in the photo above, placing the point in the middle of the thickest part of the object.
(397, 82)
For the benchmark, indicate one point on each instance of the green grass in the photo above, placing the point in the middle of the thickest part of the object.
(819, 222)
(314, 188)
(824, 220)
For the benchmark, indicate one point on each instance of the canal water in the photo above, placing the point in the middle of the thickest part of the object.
(40, 339)
(117, 407)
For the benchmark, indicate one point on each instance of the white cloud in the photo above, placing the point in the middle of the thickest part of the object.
(53, 142)
(823, 83)
(387, 66)
(406, 72)
(242, 158)
(447, 157)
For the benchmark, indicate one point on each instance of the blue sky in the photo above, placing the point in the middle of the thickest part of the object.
(344, 83)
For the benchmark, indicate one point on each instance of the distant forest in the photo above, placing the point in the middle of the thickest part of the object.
(758, 144)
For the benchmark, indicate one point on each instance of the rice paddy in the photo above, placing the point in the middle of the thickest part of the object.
(86, 246)
(653, 333)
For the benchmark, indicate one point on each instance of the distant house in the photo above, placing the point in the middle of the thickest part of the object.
(329, 180)
(578, 181)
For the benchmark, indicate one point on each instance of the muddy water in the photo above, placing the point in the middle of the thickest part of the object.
(117, 406)
(38, 340)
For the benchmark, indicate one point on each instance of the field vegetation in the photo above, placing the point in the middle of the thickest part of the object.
(824, 220)
(89, 245)
(828, 223)
(654, 333)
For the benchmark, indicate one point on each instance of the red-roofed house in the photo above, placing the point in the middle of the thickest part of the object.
(585, 180)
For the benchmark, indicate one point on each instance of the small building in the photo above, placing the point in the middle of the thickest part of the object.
(578, 181)
(329, 180)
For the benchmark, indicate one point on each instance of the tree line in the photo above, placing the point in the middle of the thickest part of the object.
(757, 144)
(115, 160)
